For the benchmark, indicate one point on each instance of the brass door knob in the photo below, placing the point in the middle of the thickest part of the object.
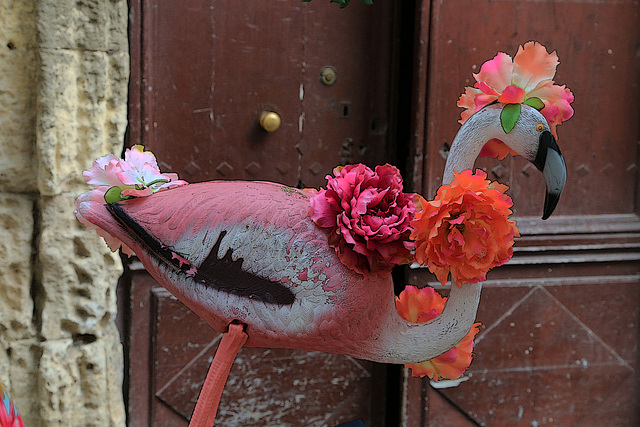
(270, 121)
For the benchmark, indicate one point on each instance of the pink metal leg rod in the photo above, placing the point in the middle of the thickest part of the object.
(207, 405)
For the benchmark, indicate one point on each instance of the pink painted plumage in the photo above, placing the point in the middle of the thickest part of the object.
(263, 230)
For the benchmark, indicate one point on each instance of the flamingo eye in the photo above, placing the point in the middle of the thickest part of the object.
(540, 127)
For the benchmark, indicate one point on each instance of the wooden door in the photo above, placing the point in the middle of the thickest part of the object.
(559, 339)
(202, 73)
(209, 68)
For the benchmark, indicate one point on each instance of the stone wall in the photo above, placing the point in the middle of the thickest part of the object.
(63, 102)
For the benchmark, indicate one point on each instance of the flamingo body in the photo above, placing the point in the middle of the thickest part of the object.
(248, 251)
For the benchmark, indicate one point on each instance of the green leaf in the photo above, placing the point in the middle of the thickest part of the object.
(114, 194)
(342, 3)
(157, 181)
(509, 116)
(535, 103)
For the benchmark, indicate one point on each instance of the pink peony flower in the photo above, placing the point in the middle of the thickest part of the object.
(369, 217)
(423, 305)
(465, 230)
(115, 179)
(525, 80)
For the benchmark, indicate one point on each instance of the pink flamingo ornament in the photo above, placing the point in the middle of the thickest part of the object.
(248, 253)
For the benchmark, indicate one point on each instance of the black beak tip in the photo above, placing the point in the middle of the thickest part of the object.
(550, 203)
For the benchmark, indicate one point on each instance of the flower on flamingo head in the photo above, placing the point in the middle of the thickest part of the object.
(527, 79)
(465, 231)
(115, 179)
(423, 305)
(369, 217)
(137, 175)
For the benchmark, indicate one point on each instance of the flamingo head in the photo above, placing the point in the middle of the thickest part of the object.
(531, 137)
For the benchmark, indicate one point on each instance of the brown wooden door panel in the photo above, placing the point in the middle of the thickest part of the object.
(550, 357)
(559, 340)
(210, 68)
(349, 121)
(555, 353)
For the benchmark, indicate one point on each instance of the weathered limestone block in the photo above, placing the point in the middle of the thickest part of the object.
(5, 362)
(117, 96)
(18, 91)
(82, 115)
(63, 102)
(22, 381)
(16, 244)
(18, 22)
(78, 383)
(95, 25)
(59, 389)
(78, 274)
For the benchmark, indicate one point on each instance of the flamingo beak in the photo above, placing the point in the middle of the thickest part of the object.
(550, 162)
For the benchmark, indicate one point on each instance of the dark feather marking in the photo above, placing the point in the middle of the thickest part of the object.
(223, 274)
(228, 275)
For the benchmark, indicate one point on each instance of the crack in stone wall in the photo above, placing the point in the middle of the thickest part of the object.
(64, 70)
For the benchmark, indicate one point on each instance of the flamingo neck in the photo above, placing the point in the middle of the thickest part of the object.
(412, 342)
(405, 342)
(474, 133)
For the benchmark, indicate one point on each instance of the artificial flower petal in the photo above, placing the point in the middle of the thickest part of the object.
(533, 64)
(419, 305)
(496, 72)
(557, 104)
(451, 364)
(103, 172)
(512, 94)
(137, 157)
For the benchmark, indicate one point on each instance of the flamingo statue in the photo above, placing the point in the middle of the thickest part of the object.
(248, 259)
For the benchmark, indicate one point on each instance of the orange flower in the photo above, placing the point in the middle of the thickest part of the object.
(466, 229)
(419, 305)
(422, 305)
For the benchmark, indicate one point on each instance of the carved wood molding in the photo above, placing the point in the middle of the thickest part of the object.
(579, 224)
(593, 248)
